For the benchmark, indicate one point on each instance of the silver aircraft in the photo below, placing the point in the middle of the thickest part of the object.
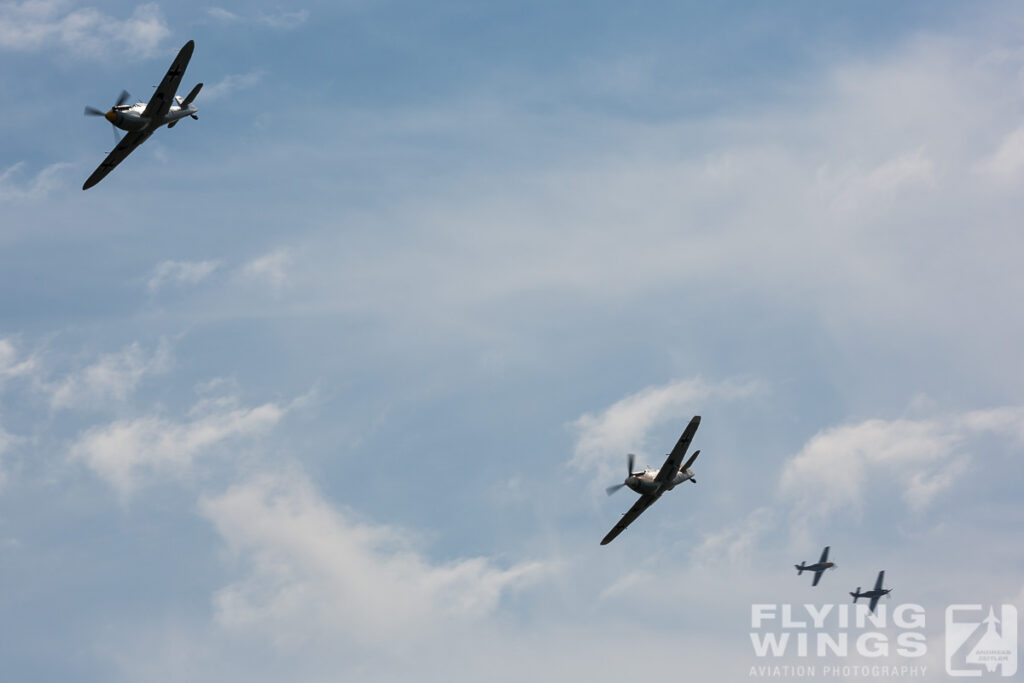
(142, 118)
(874, 594)
(818, 568)
(651, 483)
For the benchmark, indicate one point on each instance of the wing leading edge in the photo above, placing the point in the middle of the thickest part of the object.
(878, 587)
(127, 145)
(643, 502)
(675, 458)
(160, 103)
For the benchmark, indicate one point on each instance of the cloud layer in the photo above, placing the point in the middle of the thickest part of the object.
(316, 574)
(35, 25)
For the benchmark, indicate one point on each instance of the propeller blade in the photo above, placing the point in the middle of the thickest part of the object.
(93, 111)
(631, 459)
(690, 461)
(122, 98)
(117, 138)
(612, 489)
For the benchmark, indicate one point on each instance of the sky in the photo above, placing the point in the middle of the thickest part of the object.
(328, 384)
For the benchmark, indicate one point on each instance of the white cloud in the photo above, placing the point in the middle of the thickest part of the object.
(223, 15)
(10, 365)
(36, 25)
(924, 457)
(271, 268)
(125, 452)
(282, 20)
(851, 188)
(180, 273)
(604, 440)
(315, 573)
(34, 189)
(736, 543)
(232, 83)
(112, 378)
(6, 440)
(1008, 160)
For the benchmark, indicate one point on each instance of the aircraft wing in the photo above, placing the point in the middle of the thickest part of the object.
(669, 470)
(878, 582)
(824, 555)
(127, 145)
(643, 502)
(873, 604)
(817, 577)
(161, 101)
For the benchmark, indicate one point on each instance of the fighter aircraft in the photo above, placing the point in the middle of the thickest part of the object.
(873, 594)
(818, 568)
(141, 119)
(651, 483)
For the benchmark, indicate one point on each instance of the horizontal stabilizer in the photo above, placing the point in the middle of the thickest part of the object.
(691, 460)
(192, 95)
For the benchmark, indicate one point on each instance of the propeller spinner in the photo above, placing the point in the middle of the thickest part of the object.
(111, 114)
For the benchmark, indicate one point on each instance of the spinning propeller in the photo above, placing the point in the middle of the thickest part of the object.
(629, 473)
(110, 115)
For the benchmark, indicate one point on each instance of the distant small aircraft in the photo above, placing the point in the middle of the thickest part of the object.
(873, 594)
(651, 483)
(818, 568)
(141, 119)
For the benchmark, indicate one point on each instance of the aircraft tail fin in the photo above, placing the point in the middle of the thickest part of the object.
(856, 594)
(799, 568)
(191, 96)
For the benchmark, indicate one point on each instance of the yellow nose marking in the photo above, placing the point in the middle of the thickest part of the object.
(110, 116)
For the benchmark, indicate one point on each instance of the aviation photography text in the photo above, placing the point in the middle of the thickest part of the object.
(822, 637)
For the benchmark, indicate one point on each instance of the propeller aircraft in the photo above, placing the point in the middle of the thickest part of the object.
(651, 483)
(818, 568)
(874, 594)
(165, 108)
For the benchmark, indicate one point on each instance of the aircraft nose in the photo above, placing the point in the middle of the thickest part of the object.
(110, 116)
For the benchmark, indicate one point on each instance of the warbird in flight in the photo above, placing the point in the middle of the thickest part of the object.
(651, 483)
(818, 568)
(873, 594)
(142, 118)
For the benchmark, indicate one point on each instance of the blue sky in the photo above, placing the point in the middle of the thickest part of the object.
(329, 383)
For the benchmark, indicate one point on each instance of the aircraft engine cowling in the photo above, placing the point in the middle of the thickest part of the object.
(126, 121)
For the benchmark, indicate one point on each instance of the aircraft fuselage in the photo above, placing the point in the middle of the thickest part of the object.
(130, 118)
(643, 482)
(817, 566)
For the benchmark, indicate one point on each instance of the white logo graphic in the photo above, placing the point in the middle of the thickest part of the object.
(977, 644)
